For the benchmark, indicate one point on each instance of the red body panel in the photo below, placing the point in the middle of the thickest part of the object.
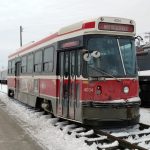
(110, 90)
(48, 87)
(11, 82)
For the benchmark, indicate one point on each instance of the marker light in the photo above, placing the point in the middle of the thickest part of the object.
(115, 27)
(88, 25)
(126, 90)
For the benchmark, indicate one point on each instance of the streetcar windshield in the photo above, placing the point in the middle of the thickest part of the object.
(117, 56)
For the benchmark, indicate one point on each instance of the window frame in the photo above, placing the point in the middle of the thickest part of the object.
(38, 64)
(23, 72)
(28, 64)
(9, 66)
(52, 50)
(13, 66)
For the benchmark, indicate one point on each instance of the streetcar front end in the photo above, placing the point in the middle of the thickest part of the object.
(109, 93)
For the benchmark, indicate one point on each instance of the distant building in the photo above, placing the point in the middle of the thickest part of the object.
(139, 48)
(146, 47)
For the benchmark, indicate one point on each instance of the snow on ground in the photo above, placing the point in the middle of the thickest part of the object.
(41, 128)
(145, 115)
(3, 88)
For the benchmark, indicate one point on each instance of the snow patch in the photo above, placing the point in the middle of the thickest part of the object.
(40, 128)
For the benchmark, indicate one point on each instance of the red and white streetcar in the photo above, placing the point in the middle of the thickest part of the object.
(85, 72)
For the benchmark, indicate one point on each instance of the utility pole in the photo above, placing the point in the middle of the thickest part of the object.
(147, 36)
(21, 30)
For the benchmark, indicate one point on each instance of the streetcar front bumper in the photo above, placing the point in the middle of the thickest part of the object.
(111, 114)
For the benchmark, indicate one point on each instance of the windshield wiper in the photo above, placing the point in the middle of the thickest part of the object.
(104, 72)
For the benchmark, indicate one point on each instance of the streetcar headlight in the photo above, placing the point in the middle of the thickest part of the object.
(126, 89)
(98, 90)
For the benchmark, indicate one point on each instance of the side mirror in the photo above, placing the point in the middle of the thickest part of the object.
(95, 54)
(87, 57)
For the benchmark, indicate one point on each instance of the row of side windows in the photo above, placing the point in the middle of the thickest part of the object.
(41, 60)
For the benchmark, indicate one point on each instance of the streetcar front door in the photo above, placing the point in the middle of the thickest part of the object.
(66, 84)
(72, 87)
(66, 102)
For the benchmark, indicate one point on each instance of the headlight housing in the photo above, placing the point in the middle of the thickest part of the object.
(126, 89)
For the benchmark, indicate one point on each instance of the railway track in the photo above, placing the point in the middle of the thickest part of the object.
(137, 137)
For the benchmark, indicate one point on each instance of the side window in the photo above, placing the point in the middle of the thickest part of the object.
(30, 63)
(48, 59)
(38, 61)
(24, 64)
(13, 67)
(9, 67)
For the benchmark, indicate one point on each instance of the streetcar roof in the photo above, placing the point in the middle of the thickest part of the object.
(81, 28)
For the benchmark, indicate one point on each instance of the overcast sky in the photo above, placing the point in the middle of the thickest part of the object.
(40, 18)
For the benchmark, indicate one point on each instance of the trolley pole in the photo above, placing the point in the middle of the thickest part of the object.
(21, 30)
